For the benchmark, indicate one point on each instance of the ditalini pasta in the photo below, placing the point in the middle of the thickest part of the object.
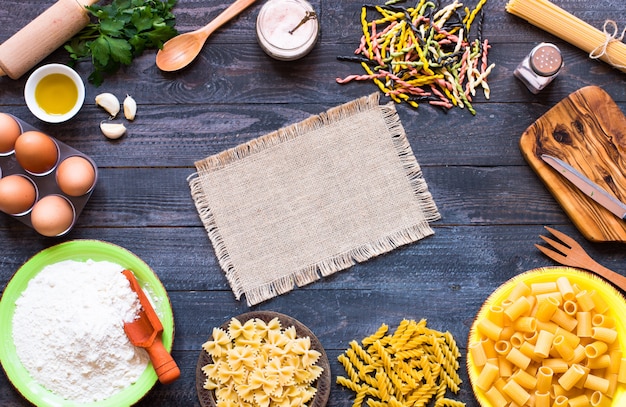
(260, 364)
(410, 367)
(556, 346)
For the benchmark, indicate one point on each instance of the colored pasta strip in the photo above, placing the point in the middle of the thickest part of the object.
(424, 53)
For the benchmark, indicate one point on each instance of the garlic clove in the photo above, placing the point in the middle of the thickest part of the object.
(112, 130)
(130, 108)
(108, 102)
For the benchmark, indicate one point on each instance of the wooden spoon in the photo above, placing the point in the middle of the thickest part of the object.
(145, 331)
(178, 52)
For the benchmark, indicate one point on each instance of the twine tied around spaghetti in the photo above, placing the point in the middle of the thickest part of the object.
(600, 50)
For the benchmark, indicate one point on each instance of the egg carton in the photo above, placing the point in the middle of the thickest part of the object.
(47, 184)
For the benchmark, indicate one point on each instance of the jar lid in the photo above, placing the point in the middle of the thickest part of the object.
(287, 29)
(546, 59)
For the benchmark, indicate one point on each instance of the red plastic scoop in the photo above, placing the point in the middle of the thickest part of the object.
(145, 332)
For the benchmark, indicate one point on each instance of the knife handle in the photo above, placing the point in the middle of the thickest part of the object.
(164, 365)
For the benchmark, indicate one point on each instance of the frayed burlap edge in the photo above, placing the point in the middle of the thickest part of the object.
(340, 261)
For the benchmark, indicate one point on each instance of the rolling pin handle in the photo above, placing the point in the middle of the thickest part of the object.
(43, 35)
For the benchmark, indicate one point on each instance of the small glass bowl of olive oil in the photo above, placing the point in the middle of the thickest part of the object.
(54, 93)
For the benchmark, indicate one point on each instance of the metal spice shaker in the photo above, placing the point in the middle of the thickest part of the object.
(540, 67)
(39, 38)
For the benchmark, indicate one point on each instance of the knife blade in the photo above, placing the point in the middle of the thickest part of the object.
(587, 186)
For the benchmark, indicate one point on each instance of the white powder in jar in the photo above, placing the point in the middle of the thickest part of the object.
(68, 330)
(287, 29)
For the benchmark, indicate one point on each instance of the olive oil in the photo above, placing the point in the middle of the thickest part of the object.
(56, 94)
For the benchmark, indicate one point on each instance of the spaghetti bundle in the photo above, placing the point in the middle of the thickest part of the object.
(553, 19)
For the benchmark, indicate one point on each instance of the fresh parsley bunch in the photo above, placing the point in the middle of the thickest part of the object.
(122, 30)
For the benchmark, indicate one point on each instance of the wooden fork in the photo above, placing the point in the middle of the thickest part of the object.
(572, 254)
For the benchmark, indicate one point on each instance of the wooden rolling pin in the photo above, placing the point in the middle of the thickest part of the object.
(42, 36)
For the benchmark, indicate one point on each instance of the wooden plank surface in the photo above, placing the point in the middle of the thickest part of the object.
(586, 130)
(492, 203)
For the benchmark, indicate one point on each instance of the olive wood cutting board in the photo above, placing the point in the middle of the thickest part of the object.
(588, 131)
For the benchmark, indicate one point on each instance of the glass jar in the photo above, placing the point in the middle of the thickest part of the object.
(287, 29)
(540, 67)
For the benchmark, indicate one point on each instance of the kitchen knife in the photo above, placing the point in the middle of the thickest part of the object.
(587, 186)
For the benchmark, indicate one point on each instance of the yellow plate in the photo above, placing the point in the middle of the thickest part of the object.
(615, 301)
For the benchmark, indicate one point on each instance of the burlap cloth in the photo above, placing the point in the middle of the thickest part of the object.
(313, 198)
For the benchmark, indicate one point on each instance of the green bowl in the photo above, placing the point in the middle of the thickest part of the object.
(79, 250)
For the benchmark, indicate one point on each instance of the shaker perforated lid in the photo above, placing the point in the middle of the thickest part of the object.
(546, 59)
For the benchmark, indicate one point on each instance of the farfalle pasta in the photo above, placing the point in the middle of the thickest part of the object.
(260, 364)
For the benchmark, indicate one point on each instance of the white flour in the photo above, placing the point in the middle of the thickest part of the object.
(68, 329)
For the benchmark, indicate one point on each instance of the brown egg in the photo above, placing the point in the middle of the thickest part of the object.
(52, 215)
(17, 194)
(9, 132)
(36, 152)
(75, 175)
